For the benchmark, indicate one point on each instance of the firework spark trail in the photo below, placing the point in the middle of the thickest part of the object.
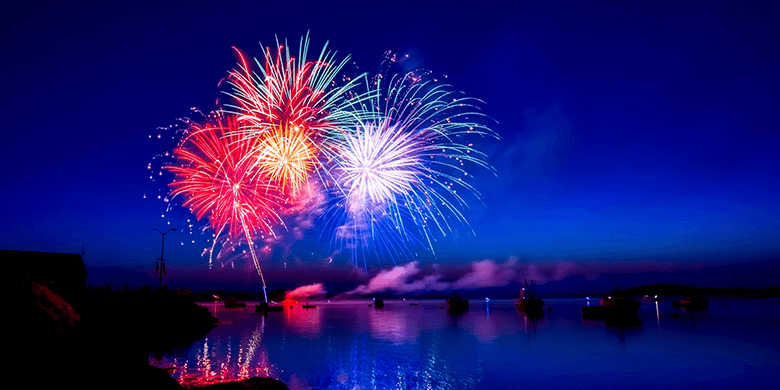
(397, 174)
(215, 176)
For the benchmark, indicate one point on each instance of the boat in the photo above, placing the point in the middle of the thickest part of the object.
(692, 303)
(530, 304)
(615, 311)
(621, 306)
(593, 312)
(457, 304)
(653, 299)
(233, 303)
(264, 307)
(379, 303)
(308, 306)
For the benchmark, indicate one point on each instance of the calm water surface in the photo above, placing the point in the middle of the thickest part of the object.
(350, 345)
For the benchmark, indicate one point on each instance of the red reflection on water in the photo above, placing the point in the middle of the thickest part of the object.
(307, 322)
(215, 362)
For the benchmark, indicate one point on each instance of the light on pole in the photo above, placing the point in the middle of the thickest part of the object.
(161, 267)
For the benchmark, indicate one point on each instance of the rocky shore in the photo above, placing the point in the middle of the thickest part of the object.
(104, 340)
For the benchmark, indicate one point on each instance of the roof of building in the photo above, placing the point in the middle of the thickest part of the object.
(44, 265)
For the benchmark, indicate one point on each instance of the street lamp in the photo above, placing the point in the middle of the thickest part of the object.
(161, 267)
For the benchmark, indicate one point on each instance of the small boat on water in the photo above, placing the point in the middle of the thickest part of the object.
(615, 311)
(629, 305)
(620, 307)
(457, 304)
(379, 303)
(593, 312)
(264, 307)
(531, 304)
(308, 306)
(652, 299)
(693, 303)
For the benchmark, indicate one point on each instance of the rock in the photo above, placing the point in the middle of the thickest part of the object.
(255, 383)
(147, 377)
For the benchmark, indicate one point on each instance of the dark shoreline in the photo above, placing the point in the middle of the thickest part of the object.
(104, 339)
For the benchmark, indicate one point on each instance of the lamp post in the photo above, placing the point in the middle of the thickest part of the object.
(162, 250)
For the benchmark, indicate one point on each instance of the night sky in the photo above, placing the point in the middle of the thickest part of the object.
(636, 138)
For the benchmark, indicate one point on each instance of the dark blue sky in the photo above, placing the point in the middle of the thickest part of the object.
(630, 132)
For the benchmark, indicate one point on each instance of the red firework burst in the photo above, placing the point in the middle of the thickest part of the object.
(285, 95)
(217, 176)
(283, 89)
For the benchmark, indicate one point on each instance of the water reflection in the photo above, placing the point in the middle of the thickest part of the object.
(367, 365)
(404, 325)
(306, 322)
(222, 357)
(353, 346)
(396, 326)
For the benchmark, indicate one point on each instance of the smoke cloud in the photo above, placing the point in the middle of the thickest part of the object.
(305, 292)
(402, 279)
(412, 279)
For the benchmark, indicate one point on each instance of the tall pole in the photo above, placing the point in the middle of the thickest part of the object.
(162, 262)
(162, 251)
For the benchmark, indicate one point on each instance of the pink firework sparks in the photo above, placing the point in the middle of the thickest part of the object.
(217, 177)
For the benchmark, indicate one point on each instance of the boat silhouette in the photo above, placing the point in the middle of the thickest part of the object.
(457, 303)
(531, 305)
(615, 311)
(692, 303)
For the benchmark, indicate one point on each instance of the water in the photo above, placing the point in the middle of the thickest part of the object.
(349, 345)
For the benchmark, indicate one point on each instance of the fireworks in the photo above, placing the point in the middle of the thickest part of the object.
(391, 154)
(399, 174)
(217, 177)
(291, 90)
(286, 155)
(294, 106)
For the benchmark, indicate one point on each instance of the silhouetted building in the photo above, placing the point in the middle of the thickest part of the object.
(63, 273)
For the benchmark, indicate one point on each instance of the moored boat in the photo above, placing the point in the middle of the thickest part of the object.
(621, 306)
(457, 304)
(530, 305)
(693, 303)
(618, 311)
(308, 306)
(593, 312)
